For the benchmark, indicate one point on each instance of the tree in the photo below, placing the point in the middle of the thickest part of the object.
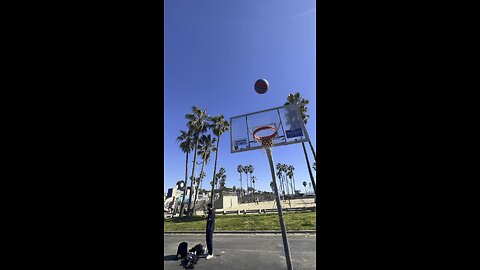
(253, 182)
(279, 175)
(302, 105)
(206, 145)
(245, 170)
(218, 126)
(198, 124)
(285, 179)
(223, 180)
(240, 170)
(305, 185)
(186, 144)
(291, 176)
(220, 177)
(251, 170)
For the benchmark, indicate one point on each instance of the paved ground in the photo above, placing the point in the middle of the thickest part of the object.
(245, 251)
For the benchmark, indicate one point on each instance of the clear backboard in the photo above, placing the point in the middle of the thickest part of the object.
(286, 119)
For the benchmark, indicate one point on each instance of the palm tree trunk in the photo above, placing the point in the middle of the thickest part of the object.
(214, 172)
(293, 184)
(192, 178)
(313, 151)
(185, 186)
(309, 169)
(198, 186)
(241, 187)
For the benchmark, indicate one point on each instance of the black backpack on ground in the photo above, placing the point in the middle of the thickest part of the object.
(182, 250)
(192, 256)
(198, 250)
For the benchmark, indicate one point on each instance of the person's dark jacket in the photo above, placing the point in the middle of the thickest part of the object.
(211, 221)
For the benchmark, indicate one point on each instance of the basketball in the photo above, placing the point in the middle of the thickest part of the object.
(261, 86)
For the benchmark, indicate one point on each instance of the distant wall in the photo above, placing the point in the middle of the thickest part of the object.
(225, 202)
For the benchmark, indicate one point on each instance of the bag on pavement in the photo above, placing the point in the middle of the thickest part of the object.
(182, 250)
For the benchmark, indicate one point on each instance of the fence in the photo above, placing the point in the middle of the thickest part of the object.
(264, 211)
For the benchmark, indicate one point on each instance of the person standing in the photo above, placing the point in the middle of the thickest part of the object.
(210, 229)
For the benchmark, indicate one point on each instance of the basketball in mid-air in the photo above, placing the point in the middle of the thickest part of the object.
(261, 86)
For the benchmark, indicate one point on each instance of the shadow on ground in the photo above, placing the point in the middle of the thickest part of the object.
(170, 258)
(185, 219)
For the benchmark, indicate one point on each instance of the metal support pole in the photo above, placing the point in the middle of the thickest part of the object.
(286, 247)
(309, 170)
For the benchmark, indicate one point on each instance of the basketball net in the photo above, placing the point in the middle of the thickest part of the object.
(265, 141)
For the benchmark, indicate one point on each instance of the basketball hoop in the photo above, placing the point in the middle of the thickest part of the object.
(267, 140)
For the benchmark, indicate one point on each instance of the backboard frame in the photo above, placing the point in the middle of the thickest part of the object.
(281, 130)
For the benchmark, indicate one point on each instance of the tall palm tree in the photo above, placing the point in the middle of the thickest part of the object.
(253, 182)
(245, 170)
(251, 169)
(198, 124)
(218, 126)
(292, 178)
(223, 179)
(279, 175)
(186, 144)
(220, 175)
(302, 105)
(206, 145)
(285, 179)
(240, 170)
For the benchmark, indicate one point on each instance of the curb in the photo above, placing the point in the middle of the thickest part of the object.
(242, 232)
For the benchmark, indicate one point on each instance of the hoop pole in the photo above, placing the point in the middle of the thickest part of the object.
(286, 247)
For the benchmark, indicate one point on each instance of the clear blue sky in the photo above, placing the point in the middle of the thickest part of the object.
(214, 53)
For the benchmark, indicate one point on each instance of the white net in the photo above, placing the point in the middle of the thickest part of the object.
(264, 137)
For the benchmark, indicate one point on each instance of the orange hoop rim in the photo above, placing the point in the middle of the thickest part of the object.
(264, 138)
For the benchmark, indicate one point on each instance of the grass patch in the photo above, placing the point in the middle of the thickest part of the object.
(252, 222)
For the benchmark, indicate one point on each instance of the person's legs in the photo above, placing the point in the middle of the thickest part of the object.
(210, 242)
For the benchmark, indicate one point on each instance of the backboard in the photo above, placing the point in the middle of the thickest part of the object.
(286, 119)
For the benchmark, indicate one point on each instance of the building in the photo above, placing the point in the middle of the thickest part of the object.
(226, 200)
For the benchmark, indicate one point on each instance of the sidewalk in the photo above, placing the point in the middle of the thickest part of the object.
(245, 251)
(242, 232)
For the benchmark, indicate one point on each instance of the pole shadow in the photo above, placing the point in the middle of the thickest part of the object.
(170, 258)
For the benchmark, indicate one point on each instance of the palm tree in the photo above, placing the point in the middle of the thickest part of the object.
(186, 144)
(250, 170)
(302, 105)
(279, 175)
(305, 185)
(292, 178)
(223, 179)
(198, 124)
(253, 182)
(285, 179)
(218, 126)
(206, 145)
(240, 170)
(245, 170)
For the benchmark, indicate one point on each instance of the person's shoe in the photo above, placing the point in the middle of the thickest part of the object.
(209, 257)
